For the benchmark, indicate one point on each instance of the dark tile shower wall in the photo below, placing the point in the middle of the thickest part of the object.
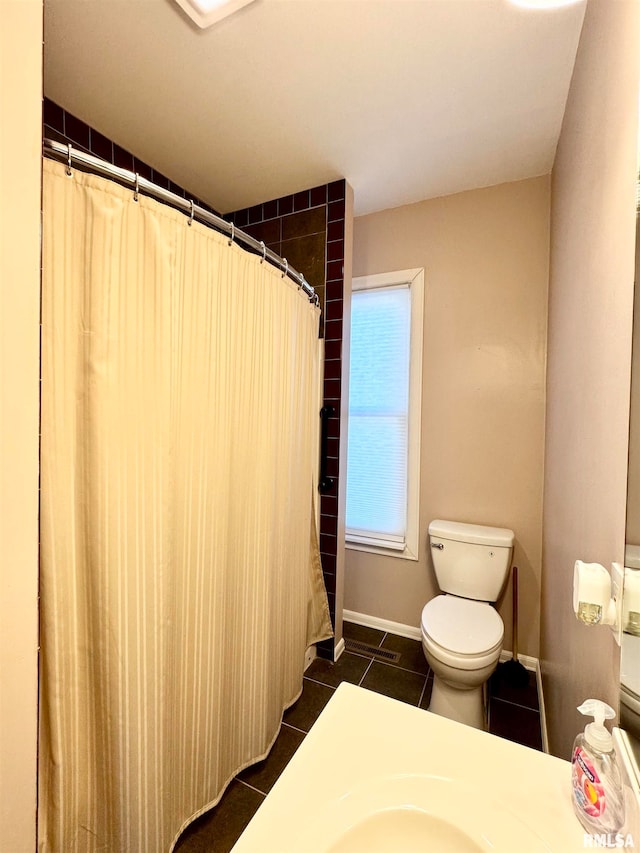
(61, 126)
(307, 228)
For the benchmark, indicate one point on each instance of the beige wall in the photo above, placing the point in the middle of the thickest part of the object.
(632, 534)
(485, 255)
(590, 311)
(20, 141)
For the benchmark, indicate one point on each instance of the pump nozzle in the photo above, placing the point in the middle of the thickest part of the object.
(596, 733)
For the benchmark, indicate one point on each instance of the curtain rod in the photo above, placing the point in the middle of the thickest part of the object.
(66, 153)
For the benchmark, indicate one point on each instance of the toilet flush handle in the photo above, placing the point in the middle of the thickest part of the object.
(437, 545)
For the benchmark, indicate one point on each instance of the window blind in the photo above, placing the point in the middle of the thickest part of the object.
(378, 416)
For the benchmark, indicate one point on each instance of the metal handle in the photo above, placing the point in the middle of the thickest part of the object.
(325, 483)
(437, 545)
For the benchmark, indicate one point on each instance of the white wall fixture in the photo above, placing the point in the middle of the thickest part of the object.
(205, 13)
(597, 596)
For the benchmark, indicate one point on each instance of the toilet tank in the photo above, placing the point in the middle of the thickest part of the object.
(471, 560)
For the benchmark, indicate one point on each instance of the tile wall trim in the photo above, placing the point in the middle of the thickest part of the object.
(309, 656)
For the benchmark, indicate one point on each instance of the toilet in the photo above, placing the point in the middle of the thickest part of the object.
(461, 631)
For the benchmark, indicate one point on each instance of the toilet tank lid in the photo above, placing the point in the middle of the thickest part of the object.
(475, 534)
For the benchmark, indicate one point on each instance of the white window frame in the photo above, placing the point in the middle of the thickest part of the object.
(414, 278)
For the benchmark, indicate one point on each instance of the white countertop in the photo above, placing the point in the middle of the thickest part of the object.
(367, 745)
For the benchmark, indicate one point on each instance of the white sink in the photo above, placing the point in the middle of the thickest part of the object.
(406, 829)
(417, 812)
(375, 775)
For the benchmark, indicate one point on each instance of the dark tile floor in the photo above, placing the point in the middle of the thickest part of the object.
(513, 714)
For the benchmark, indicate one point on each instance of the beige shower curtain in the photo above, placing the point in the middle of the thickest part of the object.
(180, 582)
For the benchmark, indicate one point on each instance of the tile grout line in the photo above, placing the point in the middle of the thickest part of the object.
(295, 729)
(247, 785)
(321, 683)
(424, 687)
(515, 704)
(364, 674)
(397, 665)
(401, 668)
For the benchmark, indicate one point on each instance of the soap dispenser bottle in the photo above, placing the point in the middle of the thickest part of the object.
(598, 797)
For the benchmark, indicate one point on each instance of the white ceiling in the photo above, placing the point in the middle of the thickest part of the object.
(407, 99)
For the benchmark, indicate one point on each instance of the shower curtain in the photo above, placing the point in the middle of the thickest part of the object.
(180, 576)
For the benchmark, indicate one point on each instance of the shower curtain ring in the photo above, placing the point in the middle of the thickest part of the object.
(191, 214)
(264, 251)
(286, 268)
(136, 188)
(69, 172)
(233, 233)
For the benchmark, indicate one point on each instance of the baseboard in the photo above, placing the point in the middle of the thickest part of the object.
(527, 662)
(382, 624)
(338, 649)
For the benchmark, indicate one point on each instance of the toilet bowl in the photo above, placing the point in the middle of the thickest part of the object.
(461, 631)
(462, 640)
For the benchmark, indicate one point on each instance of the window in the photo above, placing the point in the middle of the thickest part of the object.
(385, 389)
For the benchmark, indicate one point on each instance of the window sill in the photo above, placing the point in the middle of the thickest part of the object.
(407, 554)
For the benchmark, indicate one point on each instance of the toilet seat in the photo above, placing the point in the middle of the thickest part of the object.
(468, 663)
(462, 628)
